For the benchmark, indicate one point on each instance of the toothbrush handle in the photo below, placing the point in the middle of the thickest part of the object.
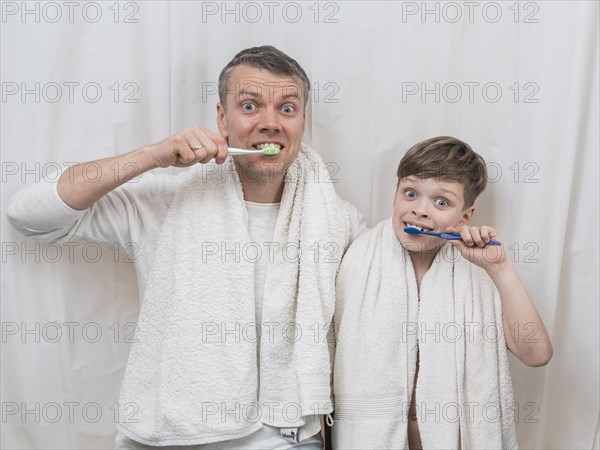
(241, 151)
(456, 237)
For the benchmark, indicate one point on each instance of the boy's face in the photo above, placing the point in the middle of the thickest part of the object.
(432, 205)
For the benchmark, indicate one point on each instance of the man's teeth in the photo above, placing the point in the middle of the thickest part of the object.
(261, 146)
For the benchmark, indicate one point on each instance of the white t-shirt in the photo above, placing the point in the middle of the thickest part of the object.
(262, 218)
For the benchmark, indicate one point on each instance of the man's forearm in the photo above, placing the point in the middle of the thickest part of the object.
(83, 184)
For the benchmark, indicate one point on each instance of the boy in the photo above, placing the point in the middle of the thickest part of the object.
(423, 323)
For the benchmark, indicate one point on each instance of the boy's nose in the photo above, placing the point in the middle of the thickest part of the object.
(420, 211)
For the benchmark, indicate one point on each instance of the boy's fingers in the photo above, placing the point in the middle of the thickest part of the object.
(467, 238)
(487, 233)
(477, 238)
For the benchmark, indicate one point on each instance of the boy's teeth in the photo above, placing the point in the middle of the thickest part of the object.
(414, 226)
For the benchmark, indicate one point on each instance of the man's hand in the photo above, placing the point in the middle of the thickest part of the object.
(473, 247)
(178, 150)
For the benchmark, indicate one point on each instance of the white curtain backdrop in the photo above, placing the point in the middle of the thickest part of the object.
(516, 80)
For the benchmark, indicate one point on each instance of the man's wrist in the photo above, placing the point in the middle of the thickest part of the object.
(144, 160)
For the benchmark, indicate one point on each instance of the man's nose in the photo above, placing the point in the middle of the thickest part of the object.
(269, 120)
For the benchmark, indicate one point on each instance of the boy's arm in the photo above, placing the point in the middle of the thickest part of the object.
(528, 339)
(524, 331)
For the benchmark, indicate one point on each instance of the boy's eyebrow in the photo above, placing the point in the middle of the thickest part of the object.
(413, 179)
(449, 192)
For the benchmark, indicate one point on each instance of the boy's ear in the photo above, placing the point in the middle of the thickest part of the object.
(466, 217)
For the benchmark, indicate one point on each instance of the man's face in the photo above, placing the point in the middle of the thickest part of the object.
(429, 204)
(263, 108)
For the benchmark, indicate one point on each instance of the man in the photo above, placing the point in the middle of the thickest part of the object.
(237, 262)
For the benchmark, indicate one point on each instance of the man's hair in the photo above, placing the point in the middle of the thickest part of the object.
(266, 57)
(446, 158)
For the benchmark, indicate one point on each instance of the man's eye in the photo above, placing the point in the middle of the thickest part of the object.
(288, 109)
(248, 106)
(442, 202)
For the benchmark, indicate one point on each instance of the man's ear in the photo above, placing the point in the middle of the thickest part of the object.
(303, 120)
(222, 120)
(466, 217)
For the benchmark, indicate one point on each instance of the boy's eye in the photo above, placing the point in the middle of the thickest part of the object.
(288, 109)
(410, 193)
(248, 106)
(442, 202)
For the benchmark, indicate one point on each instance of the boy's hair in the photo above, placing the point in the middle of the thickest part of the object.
(265, 57)
(446, 158)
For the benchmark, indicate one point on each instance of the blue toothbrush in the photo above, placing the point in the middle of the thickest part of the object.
(449, 236)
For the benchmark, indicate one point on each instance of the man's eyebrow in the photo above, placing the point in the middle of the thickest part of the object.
(246, 93)
(250, 93)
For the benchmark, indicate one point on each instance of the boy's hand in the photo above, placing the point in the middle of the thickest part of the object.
(473, 246)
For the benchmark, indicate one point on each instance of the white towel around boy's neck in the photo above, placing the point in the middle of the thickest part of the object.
(192, 376)
(464, 391)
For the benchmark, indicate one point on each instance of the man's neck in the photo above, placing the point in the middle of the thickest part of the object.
(263, 190)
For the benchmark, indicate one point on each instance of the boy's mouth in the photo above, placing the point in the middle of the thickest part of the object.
(419, 227)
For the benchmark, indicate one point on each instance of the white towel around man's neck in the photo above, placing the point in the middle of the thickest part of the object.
(191, 377)
(464, 391)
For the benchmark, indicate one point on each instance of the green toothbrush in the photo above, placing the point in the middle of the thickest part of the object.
(269, 150)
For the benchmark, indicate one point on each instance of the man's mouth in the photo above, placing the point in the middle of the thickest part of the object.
(419, 227)
(262, 145)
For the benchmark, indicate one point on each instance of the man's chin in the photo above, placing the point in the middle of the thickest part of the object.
(261, 169)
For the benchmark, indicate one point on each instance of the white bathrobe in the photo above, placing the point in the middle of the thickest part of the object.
(463, 392)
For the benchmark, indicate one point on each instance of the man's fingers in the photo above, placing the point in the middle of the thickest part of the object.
(190, 146)
(198, 143)
(222, 147)
(184, 152)
(211, 145)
